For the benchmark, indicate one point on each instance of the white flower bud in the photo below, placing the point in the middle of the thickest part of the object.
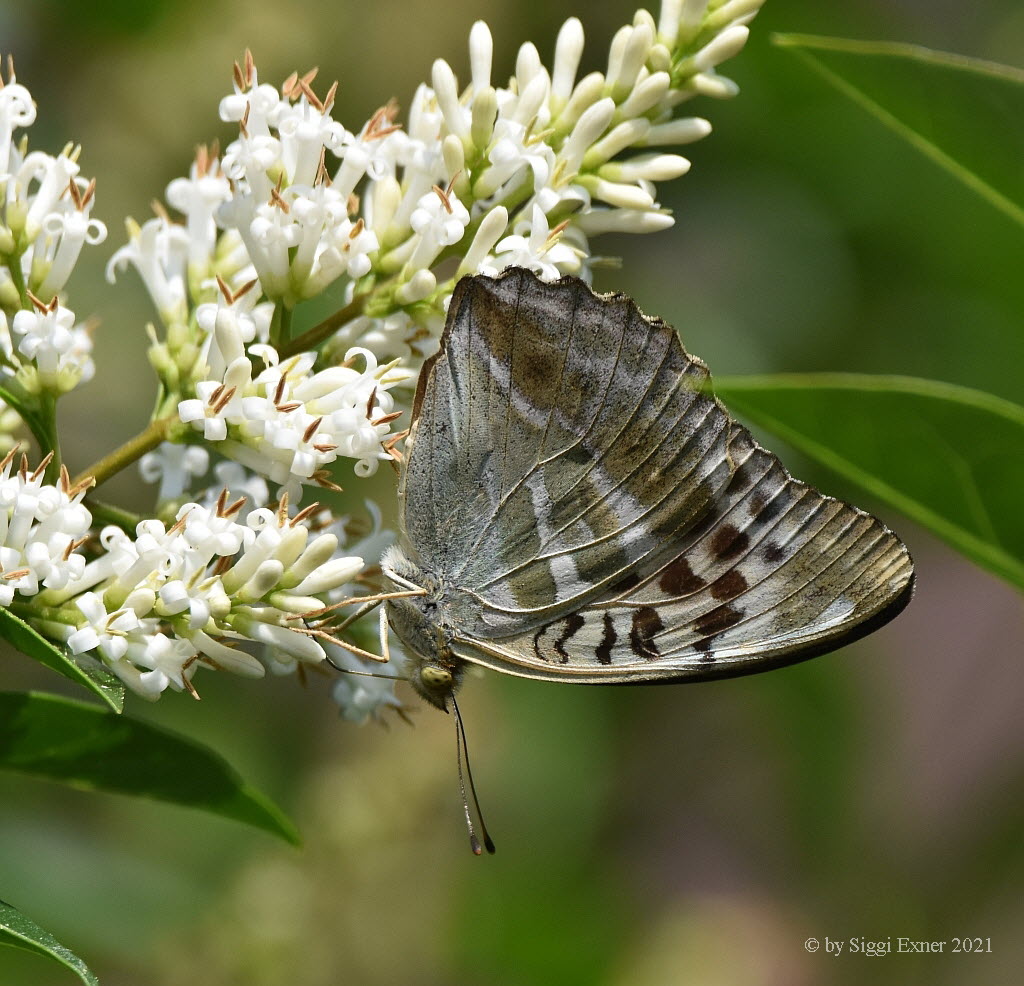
(266, 578)
(292, 643)
(331, 575)
(454, 156)
(683, 131)
(668, 22)
(383, 201)
(587, 92)
(622, 196)
(447, 92)
(598, 221)
(318, 552)
(721, 47)
(422, 284)
(568, 50)
(733, 11)
(485, 111)
(531, 99)
(618, 139)
(141, 601)
(291, 545)
(592, 123)
(288, 602)
(646, 94)
(713, 85)
(492, 227)
(528, 65)
(481, 50)
(691, 13)
(626, 61)
(648, 167)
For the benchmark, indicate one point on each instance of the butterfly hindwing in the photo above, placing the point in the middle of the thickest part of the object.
(774, 573)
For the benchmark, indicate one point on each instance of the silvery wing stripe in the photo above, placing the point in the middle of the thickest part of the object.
(639, 530)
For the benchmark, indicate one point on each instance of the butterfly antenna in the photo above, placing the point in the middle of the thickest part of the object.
(364, 674)
(462, 747)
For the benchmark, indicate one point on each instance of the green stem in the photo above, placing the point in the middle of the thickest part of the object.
(107, 513)
(145, 441)
(312, 338)
(280, 326)
(48, 411)
(18, 279)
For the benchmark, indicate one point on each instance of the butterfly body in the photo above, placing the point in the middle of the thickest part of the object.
(427, 627)
(577, 507)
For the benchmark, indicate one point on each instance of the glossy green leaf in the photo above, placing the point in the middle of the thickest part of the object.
(965, 114)
(17, 632)
(88, 747)
(18, 931)
(949, 457)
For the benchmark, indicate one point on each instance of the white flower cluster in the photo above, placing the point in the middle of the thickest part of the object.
(178, 263)
(486, 176)
(45, 221)
(56, 351)
(41, 528)
(289, 422)
(154, 607)
(492, 176)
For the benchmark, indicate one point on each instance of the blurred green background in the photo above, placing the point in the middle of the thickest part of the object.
(646, 836)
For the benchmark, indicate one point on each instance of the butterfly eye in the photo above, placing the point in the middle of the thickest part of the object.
(436, 677)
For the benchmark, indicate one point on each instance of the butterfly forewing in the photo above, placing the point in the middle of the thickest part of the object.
(607, 520)
(559, 439)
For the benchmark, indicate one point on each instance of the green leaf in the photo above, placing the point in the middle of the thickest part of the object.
(19, 932)
(963, 113)
(88, 747)
(32, 644)
(949, 457)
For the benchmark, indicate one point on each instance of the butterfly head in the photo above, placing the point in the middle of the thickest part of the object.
(435, 682)
(420, 622)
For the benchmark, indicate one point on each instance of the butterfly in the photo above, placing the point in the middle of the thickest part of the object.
(576, 506)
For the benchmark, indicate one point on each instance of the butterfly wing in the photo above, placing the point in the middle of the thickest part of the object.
(775, 573)
(558, 439)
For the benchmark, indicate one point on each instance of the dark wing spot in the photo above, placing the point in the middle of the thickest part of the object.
(534, 368)
(756, 504)
(739, 480)
(719, 619)
(626, 583)
(576, 454)
(677, 579)
(536, 644)
(604, 649)
(774, 553)
(729, 586)
(773, 507)
(646, 624)
(572, 622)
(705, 648)
(728, 542)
